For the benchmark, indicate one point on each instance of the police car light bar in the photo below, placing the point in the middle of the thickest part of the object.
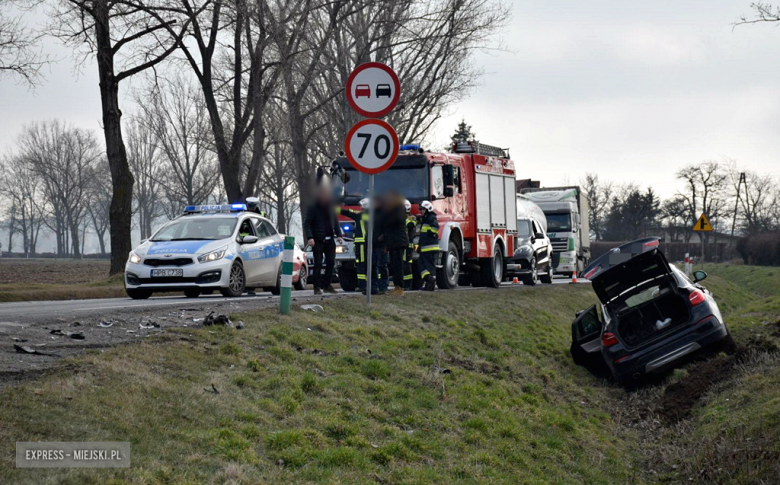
(413, 147)
(193, 209)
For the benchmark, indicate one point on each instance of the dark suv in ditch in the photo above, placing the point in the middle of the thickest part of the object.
(651, 315)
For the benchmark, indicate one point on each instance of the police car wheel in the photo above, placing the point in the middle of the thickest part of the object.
(192, 293)
(277, 290)
(303, 274)
(138, 294)
(237, 282)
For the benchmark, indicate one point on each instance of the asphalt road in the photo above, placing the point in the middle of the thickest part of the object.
(29, 312)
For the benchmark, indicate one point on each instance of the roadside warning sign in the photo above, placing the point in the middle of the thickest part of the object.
(702, 225)
(373, 89)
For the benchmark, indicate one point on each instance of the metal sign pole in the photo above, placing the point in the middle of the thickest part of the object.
(370, 241)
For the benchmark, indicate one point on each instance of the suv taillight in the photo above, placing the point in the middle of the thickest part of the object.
(608, 339)
(696, 297)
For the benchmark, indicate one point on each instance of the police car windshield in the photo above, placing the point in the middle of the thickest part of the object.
(197, 229)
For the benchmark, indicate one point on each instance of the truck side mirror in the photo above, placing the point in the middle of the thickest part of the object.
(448, 173)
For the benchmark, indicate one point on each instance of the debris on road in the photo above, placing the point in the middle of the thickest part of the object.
(105, 324)
(17, 339)
(73, 335)
(313, 308)
(23, 349)
(223, 320)
(149, 326)
(213, 389)
(240, 324)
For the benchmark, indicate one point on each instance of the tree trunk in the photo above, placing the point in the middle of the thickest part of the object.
(121, 211)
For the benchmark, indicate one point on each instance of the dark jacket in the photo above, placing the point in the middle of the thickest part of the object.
(411, 228)
(318, 219)
(394, 228)
(429, 232)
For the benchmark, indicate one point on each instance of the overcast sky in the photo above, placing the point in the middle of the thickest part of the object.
(632, 91)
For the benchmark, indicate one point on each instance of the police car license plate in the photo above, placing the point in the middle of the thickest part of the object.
(156, 273)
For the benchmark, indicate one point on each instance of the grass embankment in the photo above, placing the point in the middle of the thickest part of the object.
(732, 436)
(453, 387)
(57, 279)
(473, 386)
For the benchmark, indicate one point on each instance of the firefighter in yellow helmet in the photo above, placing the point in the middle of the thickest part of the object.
(429, 245)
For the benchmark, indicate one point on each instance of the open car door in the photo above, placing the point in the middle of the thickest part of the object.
(586, 341)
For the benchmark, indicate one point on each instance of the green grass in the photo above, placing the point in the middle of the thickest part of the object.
(110, 288)
(474, 387)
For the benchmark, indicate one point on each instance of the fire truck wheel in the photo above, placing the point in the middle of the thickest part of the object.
(447, 276)
(348, 279)
(493, 269)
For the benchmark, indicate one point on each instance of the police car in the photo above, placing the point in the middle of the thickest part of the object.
(208, 248)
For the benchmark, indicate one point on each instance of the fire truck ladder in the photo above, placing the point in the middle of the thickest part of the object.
(480, 149)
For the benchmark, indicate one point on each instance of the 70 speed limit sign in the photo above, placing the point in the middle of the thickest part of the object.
(371, 146)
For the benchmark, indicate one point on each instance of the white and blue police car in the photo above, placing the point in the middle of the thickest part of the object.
(208, 248)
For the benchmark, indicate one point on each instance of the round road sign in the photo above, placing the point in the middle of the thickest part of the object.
(371, 146)
(373, 89)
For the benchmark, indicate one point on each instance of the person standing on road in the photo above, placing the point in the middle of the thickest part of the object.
(322, 230)
(411, 228)
(429, 245)
(379, 279)
(361, 231)
(396, 239)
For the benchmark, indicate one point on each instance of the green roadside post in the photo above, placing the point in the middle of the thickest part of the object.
(287, 271)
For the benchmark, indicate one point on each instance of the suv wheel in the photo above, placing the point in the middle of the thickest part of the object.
(532, 278)
(547, 277)
(236, 283)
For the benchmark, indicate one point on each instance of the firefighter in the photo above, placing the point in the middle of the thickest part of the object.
(411, 228)
(253, 205)
(429, 245)
(361, 231)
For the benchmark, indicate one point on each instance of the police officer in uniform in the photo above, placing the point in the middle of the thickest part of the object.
(361, 232)
(253, 205)
(411, 228)
(429, 245)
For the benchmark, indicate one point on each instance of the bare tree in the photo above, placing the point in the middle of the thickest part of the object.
(675, 216)
(762, 12)
(600, 195)
(705, 190)
(24, 189)
(19, 55)
(63, 158)
(126, 37)
(175, 114)
(99, 202)
(143, 156)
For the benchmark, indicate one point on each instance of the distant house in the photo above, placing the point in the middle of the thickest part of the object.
(527, 184)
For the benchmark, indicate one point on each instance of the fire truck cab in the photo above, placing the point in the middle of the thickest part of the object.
(472, 189)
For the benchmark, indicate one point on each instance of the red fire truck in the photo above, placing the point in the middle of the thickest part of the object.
(474, 196)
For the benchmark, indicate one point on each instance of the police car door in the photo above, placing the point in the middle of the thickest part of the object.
(249, 253)
(271, 249)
